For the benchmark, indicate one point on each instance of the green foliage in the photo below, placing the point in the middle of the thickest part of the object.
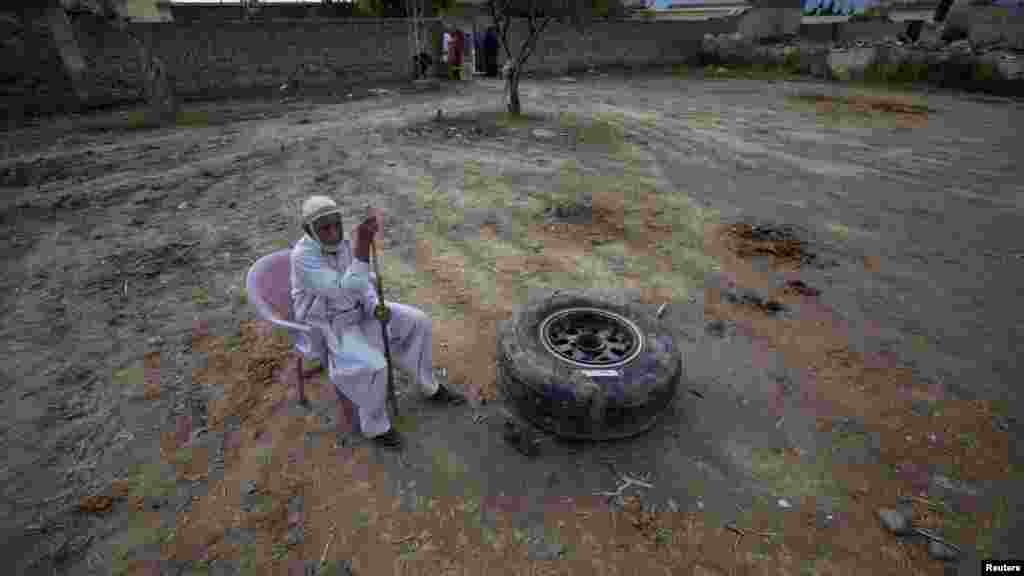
(985, 72)
(897, 73)
(150, 481)
(791, 62)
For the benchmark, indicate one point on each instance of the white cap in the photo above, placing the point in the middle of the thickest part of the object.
(314, 208)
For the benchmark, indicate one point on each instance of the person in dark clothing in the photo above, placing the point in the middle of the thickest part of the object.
(478, 51)
(491, 52)
(458, 51)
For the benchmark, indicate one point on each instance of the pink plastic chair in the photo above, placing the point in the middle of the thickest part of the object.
(269, 286)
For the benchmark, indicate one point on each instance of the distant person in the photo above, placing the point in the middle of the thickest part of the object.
(421, 64)
(478, 49)
(455, 58)
(491, 52)
(469, 61)
(446, 47)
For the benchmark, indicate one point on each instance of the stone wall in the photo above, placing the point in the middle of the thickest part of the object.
(634, 44)
(995, 24)
(852, 31)
(211, 59)
(770, 23)
(984, 25)
(957, 65)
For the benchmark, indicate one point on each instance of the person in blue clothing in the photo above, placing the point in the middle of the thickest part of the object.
(491, 52)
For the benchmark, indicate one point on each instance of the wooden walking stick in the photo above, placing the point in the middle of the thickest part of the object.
(381, 312)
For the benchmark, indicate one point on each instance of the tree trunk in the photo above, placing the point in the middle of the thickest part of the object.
(157, 85)
(942, 10)
(515, 108)
(67, 46)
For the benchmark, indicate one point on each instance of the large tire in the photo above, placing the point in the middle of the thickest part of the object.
(558, 396)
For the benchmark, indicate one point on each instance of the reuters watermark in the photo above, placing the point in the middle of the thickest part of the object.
(1002, 566)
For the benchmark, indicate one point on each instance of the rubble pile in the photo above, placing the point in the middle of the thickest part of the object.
(929, 59)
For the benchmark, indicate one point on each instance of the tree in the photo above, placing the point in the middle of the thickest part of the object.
(942, 10)
(158, 87)
(537, 15)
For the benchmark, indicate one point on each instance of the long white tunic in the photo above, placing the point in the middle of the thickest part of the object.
(335, 293)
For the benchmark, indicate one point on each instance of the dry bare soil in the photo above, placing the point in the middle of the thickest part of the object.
(841, 269)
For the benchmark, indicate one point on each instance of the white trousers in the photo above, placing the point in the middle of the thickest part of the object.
(411, 339)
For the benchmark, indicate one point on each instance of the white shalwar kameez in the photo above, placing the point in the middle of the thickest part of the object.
(334, 293)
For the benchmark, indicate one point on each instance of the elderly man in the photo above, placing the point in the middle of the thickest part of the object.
(332, 290)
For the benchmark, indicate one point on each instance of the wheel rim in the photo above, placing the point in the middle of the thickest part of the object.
(591, 337)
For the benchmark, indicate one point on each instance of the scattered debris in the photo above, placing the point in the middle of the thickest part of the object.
(249, 487)
(779, 242)
(751, 298)
(625, 482)
(546, 551)
(450, 129)
(783, 503)
(576, 212)
(673, 506)
(800, 288)
(696, 393)
(521, 438)
(327, 547)
(661, 310)
(894, 521)
(866, 104)
(949, 485)
(715, 328)
(95, 504)
(942, 551)
(732, 527)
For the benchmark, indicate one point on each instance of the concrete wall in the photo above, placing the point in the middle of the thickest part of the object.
(851, 31)
(208, 59)
(770, 23)
(620, 43)
(874, 30)
(991, 24)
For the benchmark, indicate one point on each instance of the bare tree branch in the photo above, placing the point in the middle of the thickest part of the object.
(538, 15)
(533, 45)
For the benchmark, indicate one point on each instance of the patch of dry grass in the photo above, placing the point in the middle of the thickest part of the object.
(872, 107)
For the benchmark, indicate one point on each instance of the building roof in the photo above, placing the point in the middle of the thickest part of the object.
(685, 4)
(146, 10)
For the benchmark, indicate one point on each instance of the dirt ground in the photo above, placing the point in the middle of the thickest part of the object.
(867, 357)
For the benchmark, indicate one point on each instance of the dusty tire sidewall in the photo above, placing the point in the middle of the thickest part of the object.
(525, 362)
